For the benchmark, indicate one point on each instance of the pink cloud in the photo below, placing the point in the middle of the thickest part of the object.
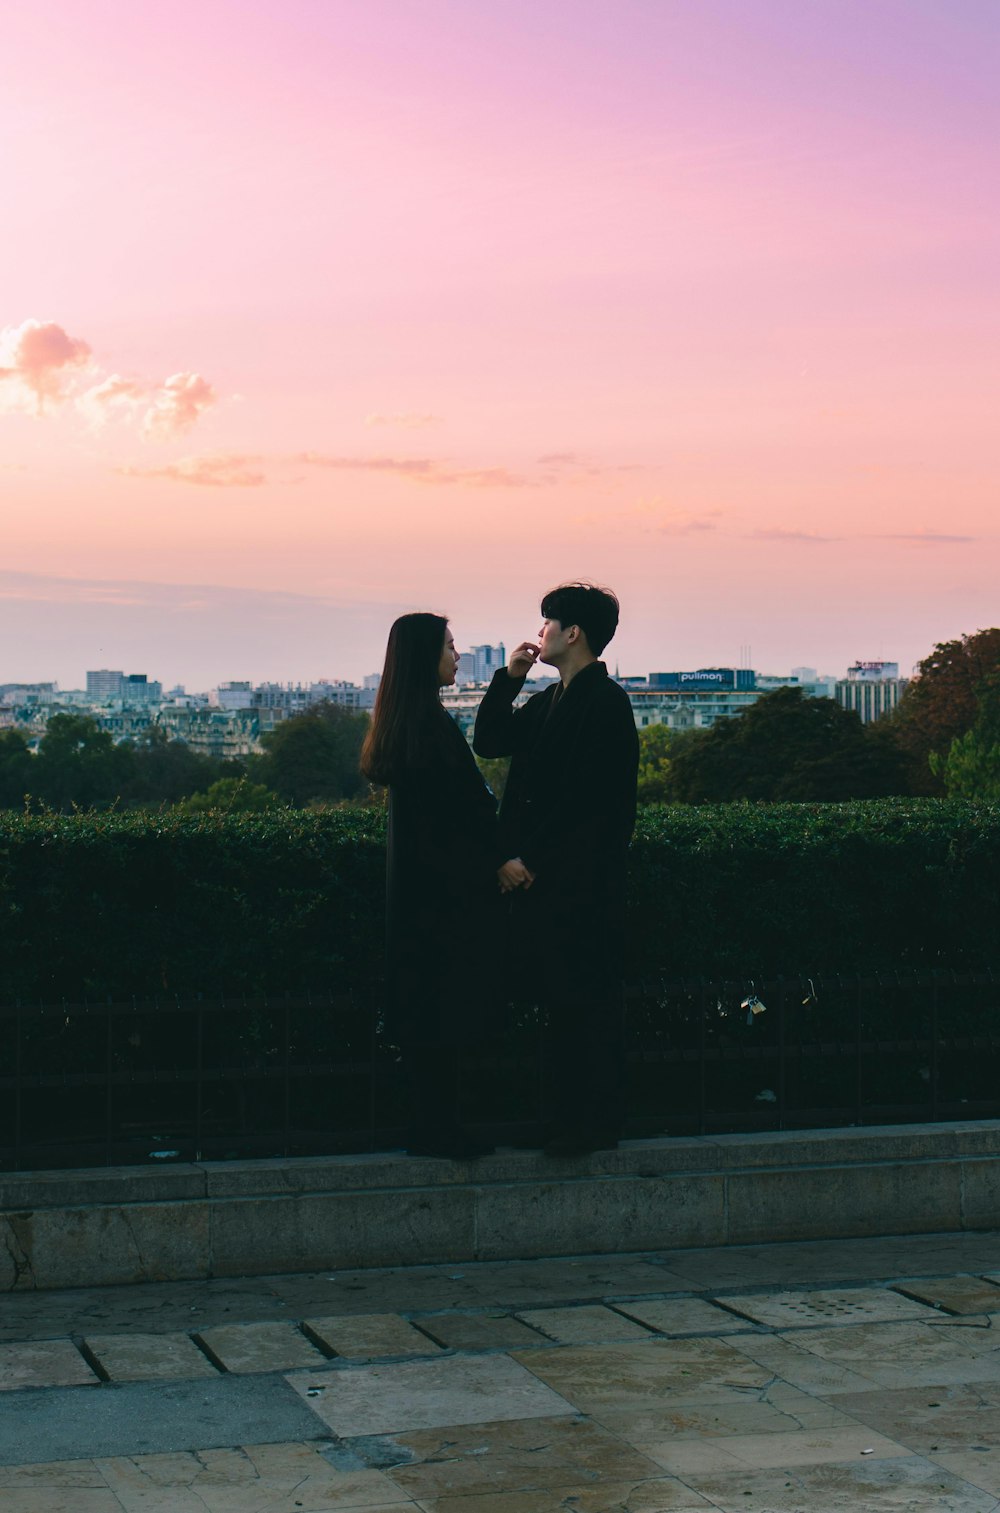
(177, 404)
(409, 420)
(39, 361)
(928, 538)
(424, 470)
(38, 356)
(114, 395)
(778, 534)
(218, 471)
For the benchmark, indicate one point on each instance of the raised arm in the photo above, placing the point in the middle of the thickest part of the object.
(497, 721)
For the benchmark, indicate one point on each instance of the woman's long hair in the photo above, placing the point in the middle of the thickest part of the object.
(407, 721)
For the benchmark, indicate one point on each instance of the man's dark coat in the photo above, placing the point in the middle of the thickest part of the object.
(568, 812)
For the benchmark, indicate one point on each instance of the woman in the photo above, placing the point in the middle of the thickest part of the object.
(441, 878)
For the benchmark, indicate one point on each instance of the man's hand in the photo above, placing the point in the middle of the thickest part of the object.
(522, 659)
(514, 874)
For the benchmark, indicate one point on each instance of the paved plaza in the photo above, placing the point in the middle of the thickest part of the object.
(853, 1374)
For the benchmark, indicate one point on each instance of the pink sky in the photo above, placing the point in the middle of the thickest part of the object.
(321, 311)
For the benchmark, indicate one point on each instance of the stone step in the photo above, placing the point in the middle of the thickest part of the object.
(253, 1218)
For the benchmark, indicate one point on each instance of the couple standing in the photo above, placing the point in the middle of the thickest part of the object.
(531, 904)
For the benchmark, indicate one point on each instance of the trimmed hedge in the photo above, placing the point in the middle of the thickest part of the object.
(144, 905)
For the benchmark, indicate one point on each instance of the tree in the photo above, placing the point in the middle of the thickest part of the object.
(784, 747)
(314, 755)
(232, 796)
(970, 768)
(17, 767)
(166, 771)
(942, 703)
(655, 742)
(494, 771)
(79, 765)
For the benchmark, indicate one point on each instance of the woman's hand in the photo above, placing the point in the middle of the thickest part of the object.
(514, 874)
(522, 659)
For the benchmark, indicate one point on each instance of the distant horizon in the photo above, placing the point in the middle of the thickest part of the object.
(124, 623)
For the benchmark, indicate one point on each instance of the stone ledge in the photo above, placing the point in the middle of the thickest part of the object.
(143, 1224)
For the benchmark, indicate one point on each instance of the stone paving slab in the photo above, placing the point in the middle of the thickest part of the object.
(280, 1478)
(902, 1355)
(949, 1418)
(689, 1435)
(980, 1468)
(53, 1363)
(871, 1485)
(845, 1305)
(599, 1378)
(679, 1316)
(148, 1357)
(482, 1331)
(143, 1308)
(662, 1495)
(244, 1348)
(788, 1358)
(427, 1394)
(370, 1336)
(957, 1294)
(808, 1263)
(136, 1418)
(589, 1324)
(518, 1456)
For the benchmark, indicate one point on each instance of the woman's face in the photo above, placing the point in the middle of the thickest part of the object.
(448, 665)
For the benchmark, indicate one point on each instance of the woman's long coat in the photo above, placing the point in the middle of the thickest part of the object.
(442, 897)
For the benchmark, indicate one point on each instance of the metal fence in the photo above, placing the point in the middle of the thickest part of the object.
(214, 1078)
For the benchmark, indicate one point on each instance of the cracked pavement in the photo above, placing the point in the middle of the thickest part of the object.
(815, 1376)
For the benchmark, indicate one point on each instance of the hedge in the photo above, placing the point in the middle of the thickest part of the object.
(116, 906)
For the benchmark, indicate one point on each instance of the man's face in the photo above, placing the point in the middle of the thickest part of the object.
(553, 642)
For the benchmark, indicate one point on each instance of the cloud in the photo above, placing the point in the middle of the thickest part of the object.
(177, 404)
(37, 358)
(220, 471)
(424, 470)
(582, 467)
(40, 362)
(114, 395)
(684, 525)
(409, 420)
(651, 517)
(928, 538)
(777, 533)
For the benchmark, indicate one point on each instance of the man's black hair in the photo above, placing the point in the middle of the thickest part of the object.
(594, 609)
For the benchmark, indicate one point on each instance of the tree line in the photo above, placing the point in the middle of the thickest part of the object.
(310, 759)
(944, 739)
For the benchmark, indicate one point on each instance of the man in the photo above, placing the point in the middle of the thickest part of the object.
(565, 823)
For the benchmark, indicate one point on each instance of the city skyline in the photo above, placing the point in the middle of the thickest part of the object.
(318, 314)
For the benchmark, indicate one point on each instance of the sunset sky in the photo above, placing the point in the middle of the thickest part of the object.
(318, 310)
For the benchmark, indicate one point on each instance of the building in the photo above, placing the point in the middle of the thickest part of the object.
(463, 703)
(873, 672)
(221, 733)
(138, 689)
(871, 698)
(479, 663)
(104, 684)
(233, 695)
(107, 687)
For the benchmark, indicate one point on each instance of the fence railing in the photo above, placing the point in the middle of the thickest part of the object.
(212, 1078)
